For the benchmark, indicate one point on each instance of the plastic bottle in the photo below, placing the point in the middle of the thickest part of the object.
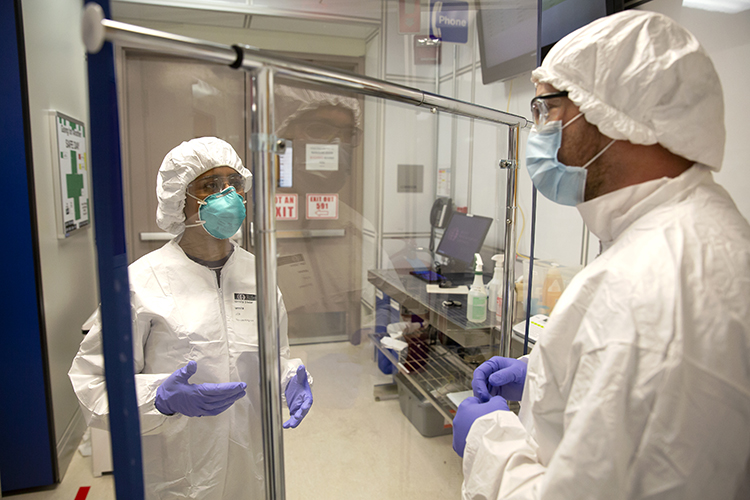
(552, 289)
(495, 286)
(476, 307)
(519, 311)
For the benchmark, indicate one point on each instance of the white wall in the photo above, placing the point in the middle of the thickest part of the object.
(726, 38)
(57, 81)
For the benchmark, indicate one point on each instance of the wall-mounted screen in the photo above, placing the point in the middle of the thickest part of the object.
(507, 31)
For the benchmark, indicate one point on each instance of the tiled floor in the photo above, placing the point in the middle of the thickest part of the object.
(349, 446)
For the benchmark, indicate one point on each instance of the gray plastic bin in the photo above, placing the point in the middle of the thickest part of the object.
(420, 412)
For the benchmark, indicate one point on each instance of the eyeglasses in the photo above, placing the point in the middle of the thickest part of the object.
(212, 184)
(541, 106)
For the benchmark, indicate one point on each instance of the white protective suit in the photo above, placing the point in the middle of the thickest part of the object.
(180, 313)
(640, 386)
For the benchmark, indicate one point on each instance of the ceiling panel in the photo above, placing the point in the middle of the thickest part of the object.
(297, 16)
(130, 12)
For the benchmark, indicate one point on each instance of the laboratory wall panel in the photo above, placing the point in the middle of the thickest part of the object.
(461, 177)
(409, 140)
(487, 179)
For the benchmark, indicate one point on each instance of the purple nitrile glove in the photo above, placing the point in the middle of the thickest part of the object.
(299, 398)
(499, 376)
(468, 411)
(177, 395)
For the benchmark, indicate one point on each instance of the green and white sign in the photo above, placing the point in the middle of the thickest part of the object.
(72, 176)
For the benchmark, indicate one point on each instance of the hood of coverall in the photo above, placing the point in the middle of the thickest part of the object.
(641, 77)
(183, 165)
(291, 102)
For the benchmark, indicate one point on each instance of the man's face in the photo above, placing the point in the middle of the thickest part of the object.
(327, 124)
(211, 182)
(323, 125)
(581, 141)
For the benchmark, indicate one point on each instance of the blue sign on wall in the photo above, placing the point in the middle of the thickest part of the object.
(449, 21)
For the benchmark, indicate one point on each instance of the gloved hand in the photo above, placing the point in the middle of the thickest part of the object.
(499, 376)
(468, 411)
(177, 395)
(298, 398)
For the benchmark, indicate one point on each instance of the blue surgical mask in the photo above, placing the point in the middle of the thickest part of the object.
(221, 214)
(556, 181)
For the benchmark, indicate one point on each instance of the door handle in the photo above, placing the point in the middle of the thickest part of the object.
(311, 233)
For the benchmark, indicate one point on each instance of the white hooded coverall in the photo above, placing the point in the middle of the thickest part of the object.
(181, 313)
(640, 386)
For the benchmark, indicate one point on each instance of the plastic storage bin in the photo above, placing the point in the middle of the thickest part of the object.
(420, 412)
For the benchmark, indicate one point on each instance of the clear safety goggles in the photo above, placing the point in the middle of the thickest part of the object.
(213, 184)
(542, 105)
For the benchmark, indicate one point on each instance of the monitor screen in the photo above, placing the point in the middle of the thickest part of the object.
(507, 31)
(464, 236)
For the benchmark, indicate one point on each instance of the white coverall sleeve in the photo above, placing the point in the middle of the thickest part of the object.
(601, 433)
(641, 419)
(87, 376)
(288, 366)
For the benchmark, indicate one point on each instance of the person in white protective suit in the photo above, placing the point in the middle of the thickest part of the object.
(640, 386)
(194, 317)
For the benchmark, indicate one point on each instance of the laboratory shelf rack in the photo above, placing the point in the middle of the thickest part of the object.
(433, 369)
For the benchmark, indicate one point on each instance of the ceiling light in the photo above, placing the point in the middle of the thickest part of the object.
(726, 6)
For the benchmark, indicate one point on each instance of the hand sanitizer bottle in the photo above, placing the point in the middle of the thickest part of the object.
(476, 307)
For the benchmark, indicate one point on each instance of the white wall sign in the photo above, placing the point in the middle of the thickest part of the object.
(287, 207)
(71, 177)
(322, 156)
(322, 206)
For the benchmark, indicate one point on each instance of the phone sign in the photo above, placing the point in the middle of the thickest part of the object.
(322, 206)
(449, 21)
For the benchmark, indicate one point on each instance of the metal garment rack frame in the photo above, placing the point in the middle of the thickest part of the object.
(262, 67)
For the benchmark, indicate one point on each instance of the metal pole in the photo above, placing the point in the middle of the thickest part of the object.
(112, 264)
(97, 30)
(262, 146)
(509, 275)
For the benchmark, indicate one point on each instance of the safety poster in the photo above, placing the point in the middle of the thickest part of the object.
(72, 179)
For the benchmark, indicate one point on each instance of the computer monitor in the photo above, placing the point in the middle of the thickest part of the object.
(463, 237)
(507, 31)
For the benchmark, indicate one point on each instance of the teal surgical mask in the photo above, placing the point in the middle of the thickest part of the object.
(556, 181)
(221, 214)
